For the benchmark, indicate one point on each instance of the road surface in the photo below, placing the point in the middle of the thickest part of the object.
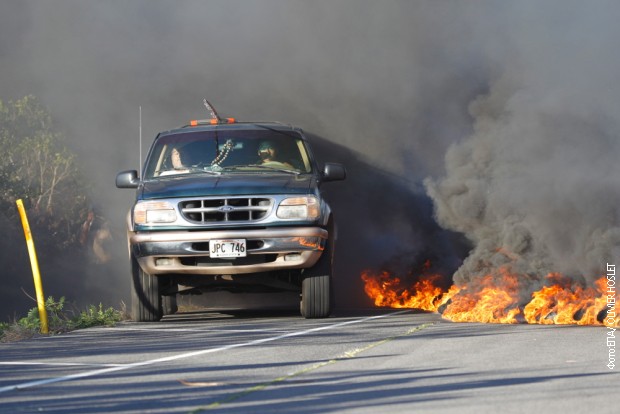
(354, 362)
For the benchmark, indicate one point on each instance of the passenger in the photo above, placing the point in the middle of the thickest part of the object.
(268, 153)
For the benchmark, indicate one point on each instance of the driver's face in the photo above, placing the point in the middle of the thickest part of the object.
(267, 154)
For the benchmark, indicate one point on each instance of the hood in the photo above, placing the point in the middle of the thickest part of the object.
(208, 185)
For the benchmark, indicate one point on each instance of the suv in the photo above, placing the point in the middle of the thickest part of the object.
(226, 205)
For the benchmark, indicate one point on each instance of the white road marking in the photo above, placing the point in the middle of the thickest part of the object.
(190, 330)
(189, 354)
(60, 364)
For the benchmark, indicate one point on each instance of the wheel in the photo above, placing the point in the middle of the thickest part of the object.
(168, 284)
(146, 301)
(169, 304)
(316, 291)
(316, 297)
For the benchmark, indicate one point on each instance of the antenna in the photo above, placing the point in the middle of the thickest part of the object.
(140, 138)
(211, 110)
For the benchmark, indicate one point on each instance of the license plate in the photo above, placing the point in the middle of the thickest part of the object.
(228, 248)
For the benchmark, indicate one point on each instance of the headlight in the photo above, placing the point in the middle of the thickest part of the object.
(147, 212)
(299, 208)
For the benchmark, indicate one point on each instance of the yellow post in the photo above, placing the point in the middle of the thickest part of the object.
(35, 267)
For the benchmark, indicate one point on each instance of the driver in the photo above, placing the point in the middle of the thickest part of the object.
(268, 153)
(176, 159)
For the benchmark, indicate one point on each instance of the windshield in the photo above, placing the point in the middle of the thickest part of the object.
(228, 151)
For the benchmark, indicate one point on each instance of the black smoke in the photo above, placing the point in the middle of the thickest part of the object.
(390, 86)
(534, 186)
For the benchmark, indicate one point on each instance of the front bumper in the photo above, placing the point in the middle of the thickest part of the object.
(187, 252)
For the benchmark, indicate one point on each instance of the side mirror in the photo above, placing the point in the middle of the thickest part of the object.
(334, 172)
(127, 179)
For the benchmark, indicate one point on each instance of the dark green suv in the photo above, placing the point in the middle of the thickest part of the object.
(225, 205)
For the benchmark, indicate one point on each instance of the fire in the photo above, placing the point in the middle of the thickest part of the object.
(385, 291)
(308, 242)
(490, 303)
(499, 298)
(562, 303)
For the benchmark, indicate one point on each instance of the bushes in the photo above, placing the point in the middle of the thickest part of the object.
(38, 167)
(59, 320)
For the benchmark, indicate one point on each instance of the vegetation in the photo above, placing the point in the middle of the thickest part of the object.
(38, 167)
(59, 320)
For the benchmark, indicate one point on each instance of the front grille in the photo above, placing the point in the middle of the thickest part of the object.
(216, 210)
(232, 261)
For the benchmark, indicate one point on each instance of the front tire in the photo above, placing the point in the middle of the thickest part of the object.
(316, 297)
(316, 289)
(146, 300)
(169, 304)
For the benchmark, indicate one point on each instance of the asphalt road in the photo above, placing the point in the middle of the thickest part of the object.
(362, 362)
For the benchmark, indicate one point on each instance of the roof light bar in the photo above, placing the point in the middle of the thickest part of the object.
(196, 122)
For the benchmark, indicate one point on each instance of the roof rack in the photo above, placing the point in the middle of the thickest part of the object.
(223, 121)
(215, 119)
(212, 121)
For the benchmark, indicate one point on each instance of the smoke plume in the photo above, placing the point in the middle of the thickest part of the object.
(534, 186)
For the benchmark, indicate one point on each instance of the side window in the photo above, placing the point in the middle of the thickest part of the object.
(304, 160)
(157, 161)
(291, 155)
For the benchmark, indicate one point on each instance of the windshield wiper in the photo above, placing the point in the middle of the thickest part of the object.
(206, 170)
(251, 167)
(187, 170)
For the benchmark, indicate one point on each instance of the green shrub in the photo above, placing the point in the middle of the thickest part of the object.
(97, 316)
(59, 320)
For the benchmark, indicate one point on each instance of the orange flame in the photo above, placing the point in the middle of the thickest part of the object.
(561, 303)
(500, 299)
(308, 242)
(490, 303)
(384, 289)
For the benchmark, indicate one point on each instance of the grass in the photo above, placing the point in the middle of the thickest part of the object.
(59, 320)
